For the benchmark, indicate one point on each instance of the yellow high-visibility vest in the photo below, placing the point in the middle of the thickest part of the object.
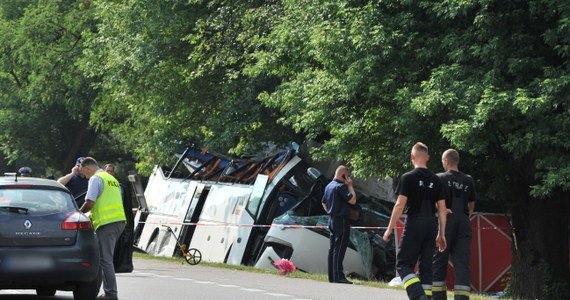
(108, 206)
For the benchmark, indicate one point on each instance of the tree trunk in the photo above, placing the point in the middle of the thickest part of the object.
(540, 268)
(78, 143)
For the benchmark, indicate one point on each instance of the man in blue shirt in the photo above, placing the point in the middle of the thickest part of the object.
(76, 182)
(338, 196)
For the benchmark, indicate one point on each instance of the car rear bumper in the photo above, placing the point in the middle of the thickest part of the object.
(46, 266)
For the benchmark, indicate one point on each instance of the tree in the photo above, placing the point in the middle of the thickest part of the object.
(366, 79)
(172, 70)
(489, 78)
(45, 101)
(512, 72)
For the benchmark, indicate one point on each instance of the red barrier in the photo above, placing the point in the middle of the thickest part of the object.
(491, 254)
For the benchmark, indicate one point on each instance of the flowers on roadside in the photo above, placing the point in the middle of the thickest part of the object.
(285, 266)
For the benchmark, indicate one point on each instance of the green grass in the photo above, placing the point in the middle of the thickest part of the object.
(318, 277)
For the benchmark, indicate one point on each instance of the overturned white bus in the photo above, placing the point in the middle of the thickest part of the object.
(254, 213)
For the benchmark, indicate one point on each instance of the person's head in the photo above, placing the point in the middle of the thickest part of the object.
(77, 167)
(420, 155)
(341, 172)
(450, 159)
(109, 168)
(25, 172)
(89, 166)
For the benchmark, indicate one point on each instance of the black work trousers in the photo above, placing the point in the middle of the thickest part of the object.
(339, 236)
(417, 246)
(458, 235)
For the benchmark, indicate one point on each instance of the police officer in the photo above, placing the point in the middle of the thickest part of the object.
(25, 171)
(420, 192)
(459, 192)
(338, 196)
(103, 199)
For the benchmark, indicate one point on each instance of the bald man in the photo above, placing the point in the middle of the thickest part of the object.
(338, 196)
(459, 191)
(420, 192)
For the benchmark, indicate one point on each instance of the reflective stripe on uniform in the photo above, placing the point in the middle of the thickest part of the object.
(427, 289)
(410, 279)
(462, 290)
(118, 214)
(110, 207)
(439, 286)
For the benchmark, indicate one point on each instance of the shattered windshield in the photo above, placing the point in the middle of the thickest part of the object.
(299, 202)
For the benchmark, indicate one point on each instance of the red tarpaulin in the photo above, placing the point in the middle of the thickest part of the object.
(490, 253)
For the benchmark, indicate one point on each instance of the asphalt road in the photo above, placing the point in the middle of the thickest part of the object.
(160, 280)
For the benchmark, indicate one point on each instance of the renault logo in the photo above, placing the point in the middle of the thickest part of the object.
(28, 224)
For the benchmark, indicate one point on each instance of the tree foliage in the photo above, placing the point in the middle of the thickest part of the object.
(46, 101)
(172, 71)
(366, 79)
(489, 78)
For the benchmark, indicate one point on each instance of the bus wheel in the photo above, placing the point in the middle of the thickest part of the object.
(151, 248)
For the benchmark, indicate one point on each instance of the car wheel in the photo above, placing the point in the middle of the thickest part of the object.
(45, 292)
(85, 291)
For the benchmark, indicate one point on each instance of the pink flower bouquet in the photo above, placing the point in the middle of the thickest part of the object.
(285, 266)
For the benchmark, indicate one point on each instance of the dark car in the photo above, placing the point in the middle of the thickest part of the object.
(46, 244)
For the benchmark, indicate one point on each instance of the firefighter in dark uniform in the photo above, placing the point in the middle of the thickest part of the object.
(338, 196)
(420, 192)
(459, 192)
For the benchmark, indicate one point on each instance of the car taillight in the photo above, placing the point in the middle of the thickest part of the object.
(75, 221)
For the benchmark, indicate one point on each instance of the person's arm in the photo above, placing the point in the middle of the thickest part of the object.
(325, 206)
(94, 190)
(353, 199)
(442, 218)
(396, 214)
(87, 206)
(471, 206)
(65, 179)
(348, 182)
(472, 198)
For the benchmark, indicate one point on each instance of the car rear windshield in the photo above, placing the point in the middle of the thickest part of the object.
(35, 201)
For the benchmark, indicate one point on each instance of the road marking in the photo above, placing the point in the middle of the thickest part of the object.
(228, 285)
(136, 275)
(210, 282)
(251, 290)
(204, 282)
(278, 295)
